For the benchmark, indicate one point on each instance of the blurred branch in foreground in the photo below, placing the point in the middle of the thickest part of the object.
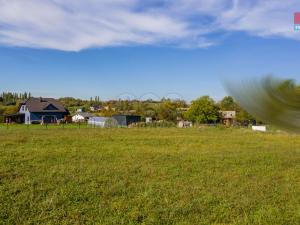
(271, 100)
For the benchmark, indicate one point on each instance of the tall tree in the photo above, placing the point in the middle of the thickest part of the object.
(228, 104)
(203, 110)
(167, 110)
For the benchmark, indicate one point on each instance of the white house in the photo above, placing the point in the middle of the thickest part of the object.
(81, 117)
(95, 108)
(148, 119)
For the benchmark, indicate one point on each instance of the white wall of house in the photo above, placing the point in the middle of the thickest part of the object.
(184, 124)
(228, 114)
(24, 109)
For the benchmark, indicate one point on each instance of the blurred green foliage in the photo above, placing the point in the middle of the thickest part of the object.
(271, 100)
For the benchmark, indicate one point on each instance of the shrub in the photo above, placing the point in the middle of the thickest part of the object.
(154, 124)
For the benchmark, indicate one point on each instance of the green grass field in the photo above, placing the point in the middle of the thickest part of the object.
(148, 176)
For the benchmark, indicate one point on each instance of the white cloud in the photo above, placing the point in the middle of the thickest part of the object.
(264, 18)
(73, 25)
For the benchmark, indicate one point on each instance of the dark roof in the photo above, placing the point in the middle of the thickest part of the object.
(126, 115)
(44, 105)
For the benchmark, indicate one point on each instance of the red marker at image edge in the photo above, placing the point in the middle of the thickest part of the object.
(297, 18)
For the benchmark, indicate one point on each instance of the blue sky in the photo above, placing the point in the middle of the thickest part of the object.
(144, 49)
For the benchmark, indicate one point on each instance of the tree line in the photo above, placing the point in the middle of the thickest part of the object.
(201, 110)
(9, 102)
(12, 98)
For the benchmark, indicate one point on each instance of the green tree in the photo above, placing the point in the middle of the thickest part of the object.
(203, 110)
(228, 104)
(167, 110)
(242, 115)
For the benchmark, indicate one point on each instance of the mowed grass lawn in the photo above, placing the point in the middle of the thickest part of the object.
(148, 176)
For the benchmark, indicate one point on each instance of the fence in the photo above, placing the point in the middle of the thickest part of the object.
(45, 126)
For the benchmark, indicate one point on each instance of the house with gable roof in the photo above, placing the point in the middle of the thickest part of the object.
(39, 110)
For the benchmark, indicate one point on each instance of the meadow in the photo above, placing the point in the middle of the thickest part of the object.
(148, 176)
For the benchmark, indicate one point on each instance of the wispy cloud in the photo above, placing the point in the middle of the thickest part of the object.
(73, 25)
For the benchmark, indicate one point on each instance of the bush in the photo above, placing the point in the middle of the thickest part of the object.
(154, 124)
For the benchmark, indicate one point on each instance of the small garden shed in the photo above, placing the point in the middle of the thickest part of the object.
(125, 120)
